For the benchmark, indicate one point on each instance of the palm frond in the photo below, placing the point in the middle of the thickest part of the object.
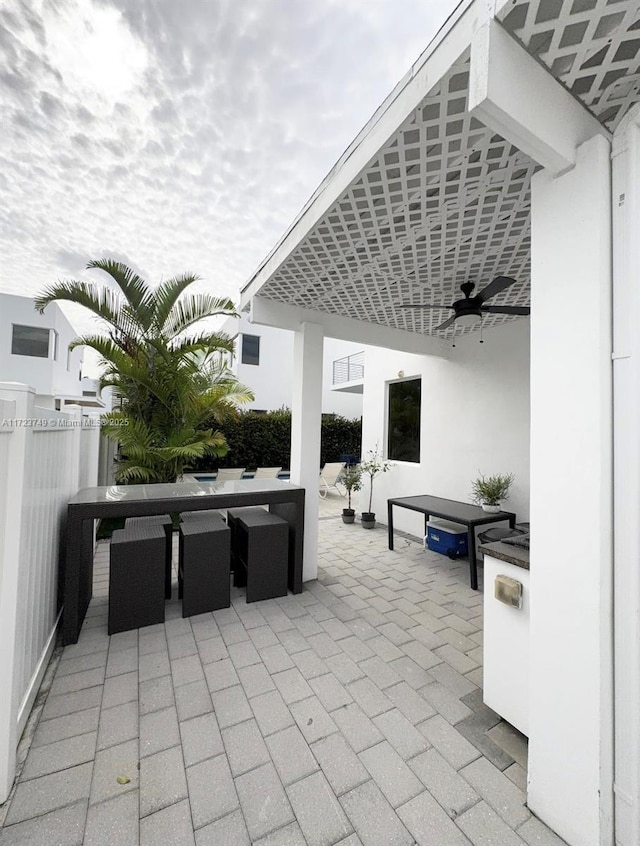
(167, 293)
(208, 343)
(103, 302)
(134, 288)
(190, 310)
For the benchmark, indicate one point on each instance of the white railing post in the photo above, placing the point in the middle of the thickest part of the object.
(17, 403)
(91, 451)
(75, 412)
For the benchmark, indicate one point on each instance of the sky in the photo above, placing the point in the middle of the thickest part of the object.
(181, 135)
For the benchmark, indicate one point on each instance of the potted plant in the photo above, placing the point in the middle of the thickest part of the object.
(372, 466)
(491, 491)
(352, 480)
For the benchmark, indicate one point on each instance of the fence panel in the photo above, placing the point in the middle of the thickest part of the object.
(42, 453)
(51, 478)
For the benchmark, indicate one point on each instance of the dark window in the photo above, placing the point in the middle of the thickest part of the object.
(251, 349)
(30, 340)
(89, 394)
(404, 420)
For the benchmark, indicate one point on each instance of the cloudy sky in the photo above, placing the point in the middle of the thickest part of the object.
(181, 135)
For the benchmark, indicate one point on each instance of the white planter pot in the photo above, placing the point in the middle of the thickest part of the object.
(492, 509)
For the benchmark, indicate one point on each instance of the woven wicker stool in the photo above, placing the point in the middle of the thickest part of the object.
(136, 578)
(260, 552)
(167, 524)
(204, 565)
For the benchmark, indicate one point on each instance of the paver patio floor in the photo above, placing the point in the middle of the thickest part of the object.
(350, 714)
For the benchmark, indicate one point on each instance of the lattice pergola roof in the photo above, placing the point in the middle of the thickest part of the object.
(446, 200)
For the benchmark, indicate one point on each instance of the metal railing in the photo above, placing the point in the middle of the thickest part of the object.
(348, 369)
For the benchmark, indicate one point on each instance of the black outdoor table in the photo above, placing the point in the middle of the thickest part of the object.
(284, 499)
(458, 512)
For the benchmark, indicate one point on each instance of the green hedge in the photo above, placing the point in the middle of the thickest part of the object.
(264, 440)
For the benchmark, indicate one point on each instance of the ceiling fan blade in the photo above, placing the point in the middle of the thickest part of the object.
(446, 324)
(506, 309)
(422, 305)
(499, 284)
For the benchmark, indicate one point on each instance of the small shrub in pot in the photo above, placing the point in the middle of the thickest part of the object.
(372, 467)
(491, 491)
(352, 480)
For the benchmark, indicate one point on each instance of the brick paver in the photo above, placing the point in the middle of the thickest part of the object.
(349, 715)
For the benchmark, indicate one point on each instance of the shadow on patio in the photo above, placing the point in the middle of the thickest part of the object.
(349, 714)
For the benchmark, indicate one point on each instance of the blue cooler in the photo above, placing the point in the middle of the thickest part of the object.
(446, 538)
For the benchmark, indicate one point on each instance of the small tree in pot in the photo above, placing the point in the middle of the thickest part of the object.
(352, 480)
(373, 466)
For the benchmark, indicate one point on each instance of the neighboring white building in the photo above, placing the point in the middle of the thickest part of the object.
(263, 361)
(34, 350)
(512, 147)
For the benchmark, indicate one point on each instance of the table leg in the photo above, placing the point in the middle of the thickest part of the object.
(293, 513)
(390, 523)
(78, 575)
(473, 563)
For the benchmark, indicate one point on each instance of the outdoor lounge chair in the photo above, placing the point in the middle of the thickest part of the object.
(228, 474)
(267, 472)
(329, 476)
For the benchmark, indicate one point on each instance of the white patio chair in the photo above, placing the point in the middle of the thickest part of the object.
(329, 476)
(267, 472)
(229, 474)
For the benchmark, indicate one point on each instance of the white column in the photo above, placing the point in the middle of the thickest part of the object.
(306, 419)
(570, 741)
(626, 389)
(16, 403)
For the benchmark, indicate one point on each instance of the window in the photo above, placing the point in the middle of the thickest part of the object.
(251, 349)
(30, 340)
(404, 420)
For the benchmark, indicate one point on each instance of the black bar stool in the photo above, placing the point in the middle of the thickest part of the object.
(204, 572)
(136, 578)
(260, 552)
(167, 524)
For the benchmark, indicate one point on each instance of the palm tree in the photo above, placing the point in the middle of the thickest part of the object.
(169, 373)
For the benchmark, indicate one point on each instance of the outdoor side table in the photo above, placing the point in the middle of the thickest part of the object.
(204, 572)
(260, 553)
(136, 578)
(166, 522)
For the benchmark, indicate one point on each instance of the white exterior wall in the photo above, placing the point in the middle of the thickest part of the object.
(50, 378)
(272, 380)
(475, 417)
(570, 738)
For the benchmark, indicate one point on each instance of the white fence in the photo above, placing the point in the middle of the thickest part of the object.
(45, 457)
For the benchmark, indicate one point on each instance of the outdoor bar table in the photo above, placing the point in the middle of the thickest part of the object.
(89, 504)
(458, 512)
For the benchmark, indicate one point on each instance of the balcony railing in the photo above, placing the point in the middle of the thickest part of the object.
(348, 369)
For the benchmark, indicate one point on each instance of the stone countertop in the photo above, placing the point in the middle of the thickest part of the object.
(516, 555)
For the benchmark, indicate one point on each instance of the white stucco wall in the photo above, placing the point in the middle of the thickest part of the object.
(49, 377)
(475, 417)
(272, 379)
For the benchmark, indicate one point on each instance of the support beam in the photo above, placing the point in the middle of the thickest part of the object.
(626, 474)
(272, 313)
(570, 698)
(306, 419)
(511, 93)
